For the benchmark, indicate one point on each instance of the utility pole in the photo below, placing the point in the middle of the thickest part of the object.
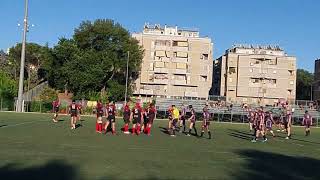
(125, 96)
(19, 107)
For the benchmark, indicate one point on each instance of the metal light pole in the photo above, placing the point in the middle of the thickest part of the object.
(19, 107)
(126, 92)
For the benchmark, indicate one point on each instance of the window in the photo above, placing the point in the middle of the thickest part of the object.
(272, 61)
(159, 65)
(204, 56)
(181, 66)
(203, 78)
(255, 80)
(182, 54)
(232, 70)
(160, 53)
(291, 82)
(180, 43)
(291, 72)
(273, 81)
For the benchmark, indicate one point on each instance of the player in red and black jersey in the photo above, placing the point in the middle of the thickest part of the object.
(111, 117)
(150, 116)
(79, 112)
(126, 118)
(307, 122)
(260, 125)
(206, 121)
(100, 112)
(137, 118)
(55, 109)
(73, 111)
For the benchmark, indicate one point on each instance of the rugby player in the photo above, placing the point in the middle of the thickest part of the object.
(192, 121)
(126, 118)
(206, 121)
(175, 118)
(269, 123)
(111, 117)
(137, 118)
(260, 125)
(73, 110)
(307, 122)
(100, 112)
(151, 114)
(182, 119)
(288, 122)
(55, 108)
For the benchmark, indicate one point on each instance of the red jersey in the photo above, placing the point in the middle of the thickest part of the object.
(126, 112)
(137, 110)
(111, 110)
(55, 104)
(99, 108)
(151, 112)
(73, 108)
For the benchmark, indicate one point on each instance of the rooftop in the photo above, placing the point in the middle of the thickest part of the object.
(158, 29)
(256, 49)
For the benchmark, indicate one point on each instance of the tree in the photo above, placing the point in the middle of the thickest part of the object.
(304, 83)
(95, 60)
(8, 87)
(36, 57)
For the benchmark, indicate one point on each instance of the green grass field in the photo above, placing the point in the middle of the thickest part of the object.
(32, 147)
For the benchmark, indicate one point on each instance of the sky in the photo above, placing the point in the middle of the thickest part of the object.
(294, 25)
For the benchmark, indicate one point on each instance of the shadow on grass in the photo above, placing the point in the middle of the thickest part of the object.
(269, 166)
(164, 130)
(240, 134)
(3, 125)
(53, 170)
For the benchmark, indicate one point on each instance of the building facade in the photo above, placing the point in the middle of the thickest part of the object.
(256, 75)
(177, 63)
(316, 82)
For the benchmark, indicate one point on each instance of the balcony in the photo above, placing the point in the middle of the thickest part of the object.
(180, 60)
(180, 71)
(146, 91)
(180, 82)
(160, 81)
(161, 70)
(178, 48)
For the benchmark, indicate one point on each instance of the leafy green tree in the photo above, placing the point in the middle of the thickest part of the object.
(8, 86)
(304, 83)
(95, 60)
(48, 95)
(36, 58)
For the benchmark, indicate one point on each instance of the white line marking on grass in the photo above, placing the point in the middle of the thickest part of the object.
(23, 123)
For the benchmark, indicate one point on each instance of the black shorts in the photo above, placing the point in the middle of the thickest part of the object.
(205, 123)
(126, 119)
(174, 121)
(308, 124)
(136, 121)
(111, 118)
(74, 115)
(56, 110)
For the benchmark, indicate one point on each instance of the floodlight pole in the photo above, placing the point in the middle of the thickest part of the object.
(126, 92)
(19, 107)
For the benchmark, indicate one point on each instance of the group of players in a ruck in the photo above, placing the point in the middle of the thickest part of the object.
(260, 121)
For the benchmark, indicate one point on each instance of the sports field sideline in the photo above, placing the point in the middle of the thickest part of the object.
(32, 147)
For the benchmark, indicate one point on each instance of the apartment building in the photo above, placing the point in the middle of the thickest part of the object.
(177, 63)
(316, 82)
(256, 75)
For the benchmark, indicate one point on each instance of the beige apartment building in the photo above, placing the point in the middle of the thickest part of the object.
(177, 63)
(256, 75)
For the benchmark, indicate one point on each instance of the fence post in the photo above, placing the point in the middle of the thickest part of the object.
(231, 116)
